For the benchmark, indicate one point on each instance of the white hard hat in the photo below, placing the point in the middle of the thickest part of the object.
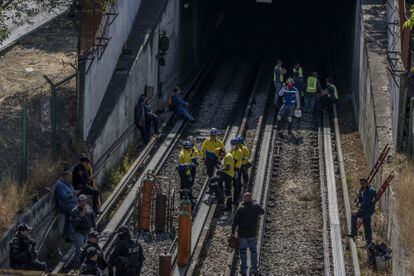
(298, 113)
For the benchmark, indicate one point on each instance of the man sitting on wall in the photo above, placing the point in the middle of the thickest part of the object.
(67, 199)
(179, 106)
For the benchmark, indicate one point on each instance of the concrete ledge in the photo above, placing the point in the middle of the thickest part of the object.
(41, 215)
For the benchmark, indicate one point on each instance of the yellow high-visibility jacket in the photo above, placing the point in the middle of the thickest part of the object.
(246, 154)
(184, 161)
(228, 161)
(208, 148)
(238, 157)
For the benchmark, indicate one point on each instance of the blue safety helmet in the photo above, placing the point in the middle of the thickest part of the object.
(241, 139)
(234, 141)
(213, 131)
(187, 144)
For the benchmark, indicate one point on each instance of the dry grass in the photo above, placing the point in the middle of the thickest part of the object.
(15, 197)
(42, 173)
(114, 176)
(405, 207)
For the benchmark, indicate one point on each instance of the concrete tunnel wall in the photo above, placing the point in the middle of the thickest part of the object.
(189, 45)
(374, 97)
(97, 79)
(188, 48)
(143, 72)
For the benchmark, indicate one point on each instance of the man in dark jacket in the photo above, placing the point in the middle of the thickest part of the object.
(328, 97)
(245, 221)
(84, 182)
(144, 117)
(67, 199)
(128, 256)
(93, 238)
(90, 266)
(23, 253)
(83, 220)
(366, 202)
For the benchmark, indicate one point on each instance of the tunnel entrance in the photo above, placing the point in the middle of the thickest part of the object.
(318, 34)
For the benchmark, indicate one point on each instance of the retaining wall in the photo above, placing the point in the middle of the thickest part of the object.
(189, 45)
(99, 75)
(374, 95)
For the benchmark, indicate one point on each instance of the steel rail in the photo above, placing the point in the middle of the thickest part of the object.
(330, 214)
(125, 211)
(325, 231)
(265, 142)
(352, 245)
(202, 221)
(334, 222)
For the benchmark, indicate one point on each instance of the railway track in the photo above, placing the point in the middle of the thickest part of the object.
(130, 179)
(224, 92)
(224, 96)
(213, 258)
(300, 233)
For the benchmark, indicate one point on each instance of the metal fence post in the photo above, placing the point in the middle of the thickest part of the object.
(410, 132)
(24, 145)
(53, 119)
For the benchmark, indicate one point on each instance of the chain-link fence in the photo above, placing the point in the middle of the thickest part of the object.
(11, 138)
(37, 137)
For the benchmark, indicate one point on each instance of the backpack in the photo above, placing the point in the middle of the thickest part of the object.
(171, 103)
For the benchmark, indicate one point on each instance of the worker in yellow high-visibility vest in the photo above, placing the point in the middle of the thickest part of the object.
(313, 88)
(329, 96)
(298, 78)
(278, 78)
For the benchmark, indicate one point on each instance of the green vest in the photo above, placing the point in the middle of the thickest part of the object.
(335, 92)
(311, 85)
(300, 72)
(281, 77)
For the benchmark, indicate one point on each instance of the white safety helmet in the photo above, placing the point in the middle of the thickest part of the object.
(298, 113)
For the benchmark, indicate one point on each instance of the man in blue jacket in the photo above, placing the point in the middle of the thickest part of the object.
(66, 197)
(366, 203)
(179, 105)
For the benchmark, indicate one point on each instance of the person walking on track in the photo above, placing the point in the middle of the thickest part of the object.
(291, 102)
(278, 78)
(246, 220)
(238, 161)
(313, 88)
(207, 151)
(244, 174)
(224, 177)
(185, 166)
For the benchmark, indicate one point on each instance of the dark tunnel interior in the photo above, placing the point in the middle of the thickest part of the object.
(318, 34)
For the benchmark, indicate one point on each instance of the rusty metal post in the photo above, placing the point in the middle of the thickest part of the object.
(160, 212)
(165, 265)
(184, 233)
(145, 205)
